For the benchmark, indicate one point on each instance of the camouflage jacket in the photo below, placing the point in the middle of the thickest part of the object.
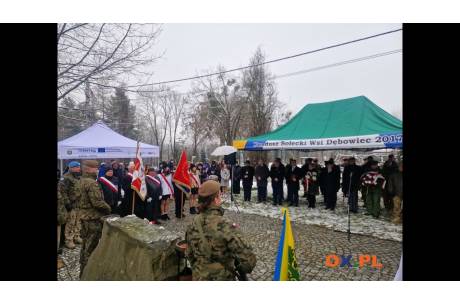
(91, 202)
(215, 258)
(69, 190)
(61, 211)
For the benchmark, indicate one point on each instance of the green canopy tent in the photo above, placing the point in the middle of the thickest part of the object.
(353, 123)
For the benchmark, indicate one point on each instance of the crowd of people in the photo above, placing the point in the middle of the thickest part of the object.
(90, 190)
(372, 181)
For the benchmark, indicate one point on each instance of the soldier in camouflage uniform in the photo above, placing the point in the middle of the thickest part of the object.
(92, 208)
(61, 213)
(216, 249)
(69, 187)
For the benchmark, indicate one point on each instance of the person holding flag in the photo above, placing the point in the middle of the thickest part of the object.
(181, 179)
(167, 191)
(154, 196)
(139, 186)
(286, 268)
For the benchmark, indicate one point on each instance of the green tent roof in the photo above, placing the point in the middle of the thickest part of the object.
(354, 116)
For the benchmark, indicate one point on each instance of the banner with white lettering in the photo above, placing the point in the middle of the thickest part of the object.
(393, 140)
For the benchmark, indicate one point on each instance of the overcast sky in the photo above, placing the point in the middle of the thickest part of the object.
(191, 49)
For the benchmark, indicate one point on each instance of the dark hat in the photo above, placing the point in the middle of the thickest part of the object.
(373, 162)
(208, 188)
(247, 162)
(91, 163)
(108, 168)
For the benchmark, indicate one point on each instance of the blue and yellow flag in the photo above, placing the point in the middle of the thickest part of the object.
(286, 264)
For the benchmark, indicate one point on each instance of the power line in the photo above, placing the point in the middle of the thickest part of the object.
(339, 63)
(270, 61)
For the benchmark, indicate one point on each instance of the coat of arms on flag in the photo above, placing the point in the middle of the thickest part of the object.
(181, 176)
(138, 182)
(286, 268)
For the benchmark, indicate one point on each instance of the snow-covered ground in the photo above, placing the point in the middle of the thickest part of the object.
(336, 220)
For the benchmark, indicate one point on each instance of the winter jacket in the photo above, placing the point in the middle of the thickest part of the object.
(395, 184)
(109, 190)
(262, 172)
(330, 181)
(293, 176)
(389, 169)
(356, 172)
(277, 172)
(247, 174)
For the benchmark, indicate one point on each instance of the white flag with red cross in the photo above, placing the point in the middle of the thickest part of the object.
(138, 182)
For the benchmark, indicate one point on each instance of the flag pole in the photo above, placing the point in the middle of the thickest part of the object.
(134, 198)
(349, 191)
(182, 204)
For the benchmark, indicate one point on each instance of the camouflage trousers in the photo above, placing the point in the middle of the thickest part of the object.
(91, 233)
(73, 225)
(373, 202)
(396, 210)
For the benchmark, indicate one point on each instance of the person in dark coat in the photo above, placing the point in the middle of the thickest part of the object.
(389, 168)
(202, 172)
(214, 170)
(154, 195)
(117, 173)
(236, 178)
(395, 189)
(127, 192)
(262, 173)
(312, 184)
(351, 183)
(108, 184)
(247, 173)
(277, 176)
(293, 177)
(283, 170)
(330, 179)
(304, 172)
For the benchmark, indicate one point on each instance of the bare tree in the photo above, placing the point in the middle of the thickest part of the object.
(97, 53)
(225, 106)
(156, 112)
(261, 95)
(195, 123)
(177, 105)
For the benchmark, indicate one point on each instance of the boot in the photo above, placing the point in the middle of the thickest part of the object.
(78, 240)
(69, 244)
(192, 210)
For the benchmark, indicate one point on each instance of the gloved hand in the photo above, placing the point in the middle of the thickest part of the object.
(149, 199)
(159, 197)
(122, 193)
(118, 203)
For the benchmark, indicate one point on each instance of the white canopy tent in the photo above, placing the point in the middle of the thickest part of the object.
(101, 142)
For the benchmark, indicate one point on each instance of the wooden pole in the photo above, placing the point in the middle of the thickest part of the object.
(181, 204)
(134, 198)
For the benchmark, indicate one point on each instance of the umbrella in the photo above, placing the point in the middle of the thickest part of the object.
(223, 150)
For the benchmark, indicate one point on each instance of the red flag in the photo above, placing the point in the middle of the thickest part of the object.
(138, 182)
(181, 176)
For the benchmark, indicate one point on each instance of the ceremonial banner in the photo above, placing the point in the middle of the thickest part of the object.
(138, 182)
(286, 265)
(181, 176)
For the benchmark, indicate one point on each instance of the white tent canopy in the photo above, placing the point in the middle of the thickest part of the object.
(101, 142)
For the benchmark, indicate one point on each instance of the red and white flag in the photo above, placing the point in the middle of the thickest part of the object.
(138, 182)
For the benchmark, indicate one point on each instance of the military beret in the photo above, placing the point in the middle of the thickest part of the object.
(208, 188)
(74, 164)
(91, 163)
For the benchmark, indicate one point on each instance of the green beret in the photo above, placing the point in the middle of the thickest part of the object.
(91, 163)
(208, 188)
